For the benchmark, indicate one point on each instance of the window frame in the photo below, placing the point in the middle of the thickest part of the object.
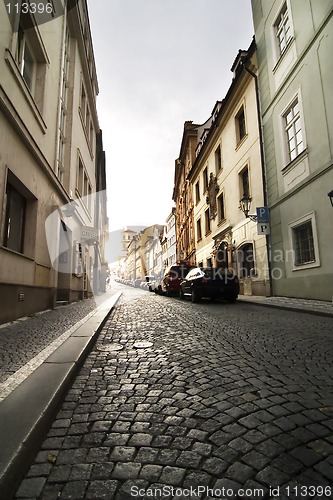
(205, 179)
(308, 218)
(208, 227)
(283, 17)
(199, 229)
(13, 193)
(220, 204)
(197, 191)
(240, 126)
(29, 224)
(27, 34)
(218, 159)
(242, 191)
(291, 125)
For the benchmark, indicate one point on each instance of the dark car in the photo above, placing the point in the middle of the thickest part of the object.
(211, 282)
(172, 278)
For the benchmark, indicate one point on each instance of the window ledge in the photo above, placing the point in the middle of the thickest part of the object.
(308, 265)
(208, 232)
(283, 54)
(241, 142)
(19, 254)
(295, 161)
(221, 221)
(25, 90)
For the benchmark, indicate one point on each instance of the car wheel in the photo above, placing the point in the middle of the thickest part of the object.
(232, 298)
(181, 294)
(212, 299)
(195, 296)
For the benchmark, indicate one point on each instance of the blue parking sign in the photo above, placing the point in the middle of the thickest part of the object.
(263, 214)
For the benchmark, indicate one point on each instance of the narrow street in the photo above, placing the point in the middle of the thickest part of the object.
(227, 400)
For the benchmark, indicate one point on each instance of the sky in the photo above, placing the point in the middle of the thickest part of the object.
(159, 63)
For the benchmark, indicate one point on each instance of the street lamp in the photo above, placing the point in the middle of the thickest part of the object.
(245, 204)
(330, 195)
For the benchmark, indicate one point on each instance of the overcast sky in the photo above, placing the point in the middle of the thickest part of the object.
(159, 63)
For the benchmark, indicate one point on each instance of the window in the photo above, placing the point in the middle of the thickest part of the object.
(30, 58)
(244, 183)
(86, 118)
(79, 180)
(218, 159)
(283, 29)
(25, 59)
(304, 241)
(207, 221)
(209, 262)
(14, 219)
(205, 179)
(240, 125)
(293, 130)
(197, 192)
(83, 100)
(303, 244)
(63, 111)
(220, 207)
(199, 233)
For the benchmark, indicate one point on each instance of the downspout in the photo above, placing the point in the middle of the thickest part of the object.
(263, 172)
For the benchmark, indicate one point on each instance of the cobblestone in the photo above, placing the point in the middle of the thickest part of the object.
(228, 396)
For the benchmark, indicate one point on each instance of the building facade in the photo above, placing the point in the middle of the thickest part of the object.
(294, 42)
(170, 237)
(48, 161)
(228, 165)
(182, 194)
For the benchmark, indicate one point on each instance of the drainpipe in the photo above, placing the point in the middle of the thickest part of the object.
(263, 172)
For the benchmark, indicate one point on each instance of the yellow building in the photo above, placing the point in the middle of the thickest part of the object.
(229, 165)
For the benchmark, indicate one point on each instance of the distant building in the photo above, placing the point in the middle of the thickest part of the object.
(295, 41)
(170, 237)
(52, 232)
(144, 253)
(182, 194)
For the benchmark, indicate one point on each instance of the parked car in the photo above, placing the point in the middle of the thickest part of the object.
(172, 278)
(210, 282)
(149, 280)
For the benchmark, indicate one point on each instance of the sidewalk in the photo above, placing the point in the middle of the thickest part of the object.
(26, 411)
(318, 307)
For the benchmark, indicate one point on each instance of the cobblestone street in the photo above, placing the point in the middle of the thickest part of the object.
(228, 400)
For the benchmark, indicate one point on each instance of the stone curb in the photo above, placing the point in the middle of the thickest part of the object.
(290, 307)
(25, 413)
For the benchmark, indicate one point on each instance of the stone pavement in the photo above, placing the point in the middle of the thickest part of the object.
(228, 400)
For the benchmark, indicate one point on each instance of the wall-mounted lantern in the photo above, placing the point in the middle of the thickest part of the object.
(245, 204)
